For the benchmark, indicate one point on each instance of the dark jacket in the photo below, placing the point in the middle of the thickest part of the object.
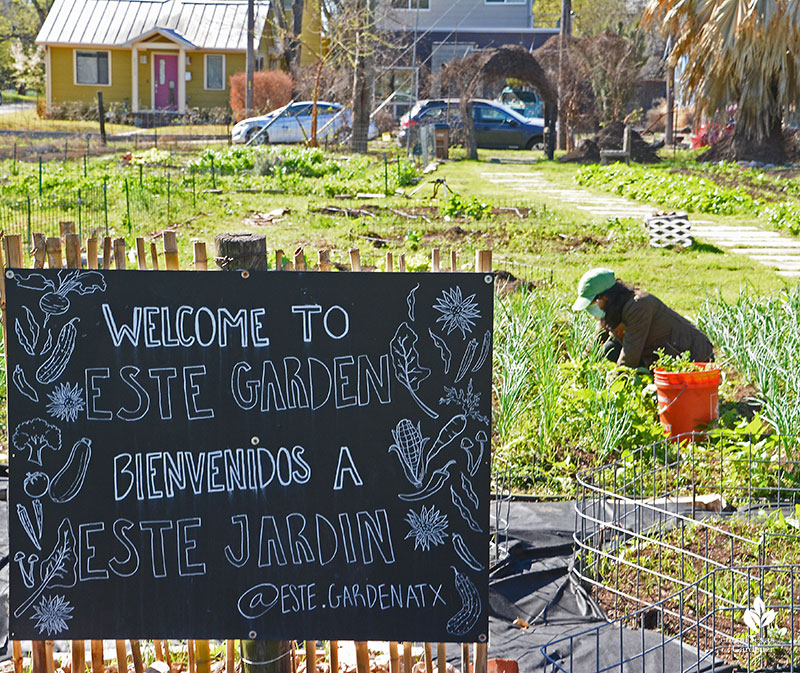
(650, 325)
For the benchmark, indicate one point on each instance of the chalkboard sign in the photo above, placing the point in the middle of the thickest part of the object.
(249, 455)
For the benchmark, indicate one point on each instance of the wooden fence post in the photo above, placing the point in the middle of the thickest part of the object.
(406, 657)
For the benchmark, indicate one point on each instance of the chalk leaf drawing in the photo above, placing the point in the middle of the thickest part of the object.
(435, 483)
(51, 614)
(35, 435)
(407, 368)
(427, 528)
(463, 510)
(55, 301)
(465, 619)
(58, 569)
(57, 361)
(468, 400)
(457, 312)
(22, 385)
(66, 402)
(464, 553)
(444, 351)
(411, 300)
(27, 335)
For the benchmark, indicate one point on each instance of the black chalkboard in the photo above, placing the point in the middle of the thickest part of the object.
(262, 455)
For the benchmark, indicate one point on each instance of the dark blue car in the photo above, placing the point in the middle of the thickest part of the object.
(496, 126)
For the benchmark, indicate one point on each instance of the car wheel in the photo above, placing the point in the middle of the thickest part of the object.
(536, 143)
(251, 134)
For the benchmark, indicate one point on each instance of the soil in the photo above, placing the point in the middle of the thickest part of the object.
(610, 138)
(775, 149)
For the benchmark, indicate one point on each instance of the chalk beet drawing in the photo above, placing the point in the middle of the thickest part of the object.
(463, 510)
(55, 301)
(27, 335)
(457, 312)
(411, 300)
(465, 619)
(468, 400)
(407, 368)
(444, 351)
(66, 402)
(428, 528)
(52, 614)
(466, 359)
(435, 483)
(464, 553)
(22, 385)
(34, 436)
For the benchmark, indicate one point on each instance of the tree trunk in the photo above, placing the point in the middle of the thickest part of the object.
(741, 146)
(470, 140)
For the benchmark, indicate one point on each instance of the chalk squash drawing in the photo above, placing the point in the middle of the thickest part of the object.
(428, 528)
(407, 368)
(457, 312)
(465, 619)
(59, 357)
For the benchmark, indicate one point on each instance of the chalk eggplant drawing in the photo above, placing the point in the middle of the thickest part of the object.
(407, 368)
(463, 510)
(66, 402)
(465, 619)
(466, 485)
(22, 385)
(444, 351)
(428, 528)
(435, 483)
(58, 569)
(55, 301)
(486, 344)
(466, 359)
(34, 436)
(57, 361)
(464, 553)
(457, 312)
(28, 335)
(51, 614)
(411, 300)
(468, 400)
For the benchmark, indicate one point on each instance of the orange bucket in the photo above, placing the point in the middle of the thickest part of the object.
(687, 400)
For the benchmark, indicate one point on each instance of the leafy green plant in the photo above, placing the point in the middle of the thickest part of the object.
(676, 363)
(458, 206)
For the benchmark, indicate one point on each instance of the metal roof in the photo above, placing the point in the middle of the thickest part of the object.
(195, 24)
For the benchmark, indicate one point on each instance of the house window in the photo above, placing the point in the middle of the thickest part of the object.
(259, 65)
(215, 71)
(411, 4)
(505, 2)
(91, 67)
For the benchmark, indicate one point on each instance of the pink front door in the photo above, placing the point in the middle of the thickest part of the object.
(165, 76)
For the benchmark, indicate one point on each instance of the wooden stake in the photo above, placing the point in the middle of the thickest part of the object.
(73, 249)
(428, 659)
(91, 253)
(311, 655)
(66, 228)
(53, 247)
(299, 260)
(355, 259)
(230, 656)
(441, 656)
(401, 267)
(78, 656)
(482, 649)
(167, 653)
(203, 656)
(154, 256)
(122, 656)
(13, 246)
(16, 648)
(362, 656)
(279, 260)
(119, 254)
(389, 262)
(200, 256)
(465, 658)
(394, 658)
(98, 664)
(334, 644)
(483, 261)
(407, 657)
(39, 656)
(190, 652)
(324, 260)
(453, 267)
(159, 650)
(49, 662)
(435, 260)
(107, 252)
(136, 654)
(141, 253)
(171, 251)
(39, 251)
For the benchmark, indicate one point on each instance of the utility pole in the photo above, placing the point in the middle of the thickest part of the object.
(668, 125)
(564, 33)
(251, 58)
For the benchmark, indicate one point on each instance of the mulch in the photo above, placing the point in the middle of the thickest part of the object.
(610, 138)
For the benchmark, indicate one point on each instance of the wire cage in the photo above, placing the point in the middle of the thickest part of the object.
(500, 513)
(670, 540)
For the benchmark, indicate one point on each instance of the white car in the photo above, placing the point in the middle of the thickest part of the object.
(292, 124)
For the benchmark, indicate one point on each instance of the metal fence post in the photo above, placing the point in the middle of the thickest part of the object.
(213, 174)
(105, 203)
(28, 196)
(85, 166)
(40, 176)
(194, 191)
(80, 224)
(141, 167)
(169, 194)
(128, 205)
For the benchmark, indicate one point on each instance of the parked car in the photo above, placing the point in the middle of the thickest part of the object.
(292, 124)
(496, 126)
(527, 103)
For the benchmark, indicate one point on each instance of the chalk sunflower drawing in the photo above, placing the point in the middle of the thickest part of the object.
(458, 312)
(51, 614)
(66, 402)
(427, 528)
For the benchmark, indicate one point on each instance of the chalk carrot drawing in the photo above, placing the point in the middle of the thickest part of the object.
(27, 335)
(465, 619)
(411, 300)
(457, 312)
(55, 301)
(450, 431)
(444, 351)
(27, 525)
(22, 385)
(407, 368)
(428, 528)
(468, 400)
(435, 483)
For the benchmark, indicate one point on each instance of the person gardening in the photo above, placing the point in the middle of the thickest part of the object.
(637, 323)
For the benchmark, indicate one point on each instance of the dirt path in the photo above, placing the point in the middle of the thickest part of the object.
(777, 251)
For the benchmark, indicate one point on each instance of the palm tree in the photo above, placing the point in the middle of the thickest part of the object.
(738, 52)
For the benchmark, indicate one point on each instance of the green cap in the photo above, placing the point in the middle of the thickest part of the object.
(592, 283)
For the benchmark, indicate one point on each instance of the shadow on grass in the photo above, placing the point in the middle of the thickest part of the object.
(706, 247)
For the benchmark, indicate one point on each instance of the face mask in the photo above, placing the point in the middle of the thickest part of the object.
(596, 311)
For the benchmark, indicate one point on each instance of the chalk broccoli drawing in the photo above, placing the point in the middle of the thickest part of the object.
(35, 435)
(55, 301)
(457, 312)
(51, 614)
(66, 402)
(407, 368)
(427, 528)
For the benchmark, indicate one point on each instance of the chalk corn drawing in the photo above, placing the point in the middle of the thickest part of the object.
(428, 528)
(66, 402)
(411, 300)
(27, 525)
(465, 619)
(26, 564)
(457, 312)
(57, 570)
(22, 385)
(464, 511)
(485, 346)
(35, 435)
(57, 361)
(409, 445)
(466, 485)
(464, 553)
(437, 480)
(407, 368)
(444, 351)
(55, 301)
(28, 335)
(468, 400)
(466, 360)
(52, 614)
(69, 480)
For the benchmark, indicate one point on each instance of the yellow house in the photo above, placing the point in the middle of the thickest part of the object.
(167, 55)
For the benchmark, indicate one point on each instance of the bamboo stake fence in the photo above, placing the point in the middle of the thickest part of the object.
(49, 250)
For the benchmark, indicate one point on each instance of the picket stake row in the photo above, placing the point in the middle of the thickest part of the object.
(48, 251)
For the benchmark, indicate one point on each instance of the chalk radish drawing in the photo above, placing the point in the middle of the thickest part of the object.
(59, 357)
(27, 336)
(444, 351)
(466, 360)
(22, 385)
(485, 346)
(464, 553)
(58, 569)
(66, 402)
(428, 528)
(52, 614)
(35, 435)
(437, 480)
(407, 368)
(468, 400)
(55, 301)
(457, 312)
(465, 619)
(411, 300)
(27, 525)
(464, 511)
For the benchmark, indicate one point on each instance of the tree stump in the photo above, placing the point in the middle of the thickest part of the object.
(241, 251)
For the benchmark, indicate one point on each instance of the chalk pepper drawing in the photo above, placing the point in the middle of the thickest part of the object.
(55, 301)
(22, 385)
(465, 619)
(435, 483)
(407, 368)
(428, 528)
(411, 300)
(66, 402)
(464, 553)
(444, 351)
(457, 312)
